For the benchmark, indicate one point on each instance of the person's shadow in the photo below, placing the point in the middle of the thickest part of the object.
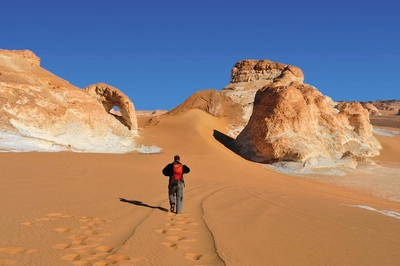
(139, 203)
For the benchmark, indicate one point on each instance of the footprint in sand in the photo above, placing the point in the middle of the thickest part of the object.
(85, 252)
(178, 239)
(78, 243)
(91, 232)
(62, 246)
(48, 217)
(170, 244)
(86, 227)
(117, 257)
(193, 256)
(187, 223)
(183, 222)
(71, 257)
(175, 238)
(161, 231)
(107, 249)
(13, 250)
(85, 246)
(62, 230)
(176, 227)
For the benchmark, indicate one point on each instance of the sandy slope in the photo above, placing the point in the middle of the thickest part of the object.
(94, 209)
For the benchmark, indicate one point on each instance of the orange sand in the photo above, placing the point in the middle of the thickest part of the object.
(104, 209)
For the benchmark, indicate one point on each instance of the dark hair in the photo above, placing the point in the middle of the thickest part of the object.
(177, 158)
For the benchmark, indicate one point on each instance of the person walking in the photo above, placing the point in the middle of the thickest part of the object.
(175, 172)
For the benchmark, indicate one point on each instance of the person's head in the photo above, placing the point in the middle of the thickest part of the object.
(177, 158)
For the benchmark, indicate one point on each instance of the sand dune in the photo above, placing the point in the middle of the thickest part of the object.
(112, 209)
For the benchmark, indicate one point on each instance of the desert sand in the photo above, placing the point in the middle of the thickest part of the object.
(70, 208)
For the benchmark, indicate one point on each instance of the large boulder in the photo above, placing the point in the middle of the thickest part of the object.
(296, 123)
(248, 76)
(50, 114)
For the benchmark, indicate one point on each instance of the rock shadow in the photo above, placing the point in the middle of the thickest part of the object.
(227, 141)
(230, 143)
(120, 119)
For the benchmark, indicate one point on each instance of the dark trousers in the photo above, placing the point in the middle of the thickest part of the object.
(175, 193)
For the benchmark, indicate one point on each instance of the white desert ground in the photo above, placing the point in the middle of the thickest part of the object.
(67, 208)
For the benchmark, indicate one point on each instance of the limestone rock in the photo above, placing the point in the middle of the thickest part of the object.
(248, 76)
(297, 123)
(110, 97)
(251, 70)
(382, 105)
(210, 101)
(47, 111)
(372, 110)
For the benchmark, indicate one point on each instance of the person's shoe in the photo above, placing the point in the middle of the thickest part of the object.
(172, 209)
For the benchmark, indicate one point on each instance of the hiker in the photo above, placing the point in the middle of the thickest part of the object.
(175, 171)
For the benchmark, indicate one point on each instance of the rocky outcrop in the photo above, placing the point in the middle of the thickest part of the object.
(248, 76)
(253, 70)
(297, 123)
(372, 110)
(110, 97)
(45, 110)
(210, 101)
(382, 105)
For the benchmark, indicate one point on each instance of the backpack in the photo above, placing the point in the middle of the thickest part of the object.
(177, 171)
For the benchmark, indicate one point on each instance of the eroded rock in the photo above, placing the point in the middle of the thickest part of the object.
(110, 97)
(248, 76)
(297, 123)
(47, 113)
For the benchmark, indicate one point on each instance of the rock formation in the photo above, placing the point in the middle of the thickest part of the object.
(253, 70)
(110, 97)
(382, 105)
(49, 112)
(212, 102)
(295, 122)
(248, 76)
(372, 110)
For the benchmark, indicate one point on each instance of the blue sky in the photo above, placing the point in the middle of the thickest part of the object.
(160, 52)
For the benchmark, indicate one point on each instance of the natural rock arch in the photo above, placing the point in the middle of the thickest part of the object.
(110, 97)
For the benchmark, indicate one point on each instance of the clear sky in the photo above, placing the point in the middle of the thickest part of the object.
(160, 52)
